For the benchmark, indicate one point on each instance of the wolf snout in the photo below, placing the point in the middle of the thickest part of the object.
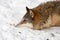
(20, 23)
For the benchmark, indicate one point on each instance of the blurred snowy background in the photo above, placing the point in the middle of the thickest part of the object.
(11, 12)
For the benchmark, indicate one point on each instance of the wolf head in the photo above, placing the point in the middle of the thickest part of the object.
(27, 18)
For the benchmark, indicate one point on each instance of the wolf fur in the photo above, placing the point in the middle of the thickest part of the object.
(45, 15)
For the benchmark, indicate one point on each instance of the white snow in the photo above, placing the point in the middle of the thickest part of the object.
(11, 13)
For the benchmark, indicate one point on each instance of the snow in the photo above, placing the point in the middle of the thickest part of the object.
(11, 13)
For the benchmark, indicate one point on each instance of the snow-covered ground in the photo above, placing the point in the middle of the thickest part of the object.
(11, 12)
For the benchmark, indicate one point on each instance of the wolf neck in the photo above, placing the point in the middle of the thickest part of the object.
(39, 18)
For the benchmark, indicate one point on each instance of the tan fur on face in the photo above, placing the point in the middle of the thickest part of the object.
(29, 25)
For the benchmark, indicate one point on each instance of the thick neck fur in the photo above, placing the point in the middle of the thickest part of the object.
(43, 11)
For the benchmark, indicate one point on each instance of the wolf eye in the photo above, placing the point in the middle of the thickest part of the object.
(26, 19)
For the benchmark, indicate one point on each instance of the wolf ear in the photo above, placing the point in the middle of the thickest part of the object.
(31, 13)
(27, 8)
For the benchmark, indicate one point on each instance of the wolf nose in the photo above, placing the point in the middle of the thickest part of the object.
(23, 21)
